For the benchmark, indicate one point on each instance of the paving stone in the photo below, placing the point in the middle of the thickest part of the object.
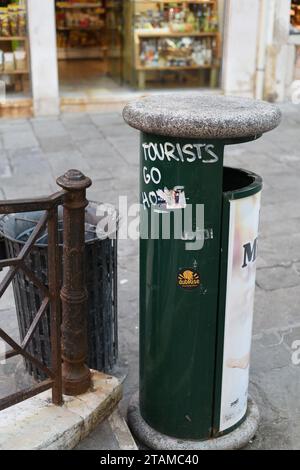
(263, 163)
(280, 249)
(296, 266)
(100, 194)
(127, 148)
(106, 191)
(288, 180)
(8, 321)
(128, 247)
(25, 162)
(98, 148)
(43, 119)
(280, 214)
(277, 393)
(277, 277)
(55, 144)
(83, 132)
(62, 161)
(276, 309)
(101, 439)
(121, 140)
(26, 188)
(107, 119)
(71, 119)
(234, 161)
(267, 338)
(126, 178)
(261, 149)
(15, 126)
(267, 357)
(282, 139)
(100, 153)
(19, 139)
(101, 174)
(272, 230)
(47, 128)
(5, 167)
(273, 196)
(7, 301)
(118, 130)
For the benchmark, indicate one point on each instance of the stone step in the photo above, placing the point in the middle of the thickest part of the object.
(111, 434)
(37, 424)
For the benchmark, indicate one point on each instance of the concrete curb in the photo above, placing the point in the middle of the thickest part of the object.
(37, 424)
(237, 439)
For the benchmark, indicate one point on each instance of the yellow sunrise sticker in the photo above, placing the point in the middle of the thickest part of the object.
(188, 279)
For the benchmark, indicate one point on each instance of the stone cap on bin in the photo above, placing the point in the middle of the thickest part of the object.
(194, 115)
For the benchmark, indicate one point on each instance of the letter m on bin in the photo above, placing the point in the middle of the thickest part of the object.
(250, 253)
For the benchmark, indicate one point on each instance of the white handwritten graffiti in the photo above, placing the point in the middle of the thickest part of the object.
(180, 153)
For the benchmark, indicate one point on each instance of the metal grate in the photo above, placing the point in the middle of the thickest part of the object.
(101, 284)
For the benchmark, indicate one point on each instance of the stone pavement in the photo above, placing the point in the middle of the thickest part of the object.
(34, 152)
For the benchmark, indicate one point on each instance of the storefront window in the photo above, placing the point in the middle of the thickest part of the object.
(104, 45)
(176, 43)
(14, 50)
(295, 17)
(79, 29)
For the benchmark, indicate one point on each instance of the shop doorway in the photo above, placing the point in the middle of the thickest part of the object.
(89, 47)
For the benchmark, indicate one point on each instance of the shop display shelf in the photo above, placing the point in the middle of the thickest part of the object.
(175, 67)
(13, 38)
(170, 34)
(14, 72)
(80, 28)
(84, 52)
(73, 6)
(196, 2)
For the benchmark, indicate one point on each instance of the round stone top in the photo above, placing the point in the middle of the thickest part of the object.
(199, 116)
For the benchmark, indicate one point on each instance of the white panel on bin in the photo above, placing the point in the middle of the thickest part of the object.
(242, 252)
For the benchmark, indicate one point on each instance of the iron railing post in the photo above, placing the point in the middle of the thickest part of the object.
(55, 309)
(75, 373)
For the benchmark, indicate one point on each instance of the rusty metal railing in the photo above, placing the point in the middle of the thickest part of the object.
(68, 373)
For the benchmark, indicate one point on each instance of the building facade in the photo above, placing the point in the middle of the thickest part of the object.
(80, 52)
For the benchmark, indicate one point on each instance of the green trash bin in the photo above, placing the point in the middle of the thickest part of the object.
(198, 246)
